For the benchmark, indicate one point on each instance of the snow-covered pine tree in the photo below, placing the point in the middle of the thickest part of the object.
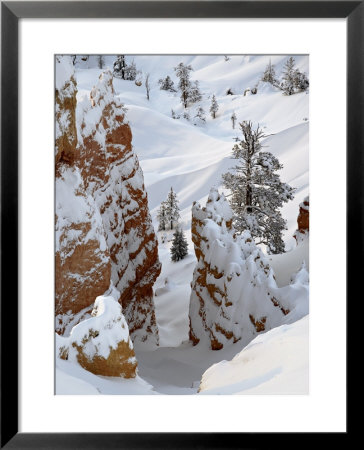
(131, 71)
(214, 107)
(233, 119)
(179, 247)
(269, 74)
(256, 190)
(195, 94)
(162, 217)
(166, 84)
(289, 77)
(119, 67)
(172, 209)
(301, 81)
(184, 85)
(200, 117)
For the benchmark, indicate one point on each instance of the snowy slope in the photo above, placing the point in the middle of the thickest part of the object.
(191, 159)
(273, 363)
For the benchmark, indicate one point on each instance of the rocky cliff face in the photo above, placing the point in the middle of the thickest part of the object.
(104, 230)
(234, 294)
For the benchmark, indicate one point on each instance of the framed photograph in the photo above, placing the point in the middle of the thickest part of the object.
(165, 241)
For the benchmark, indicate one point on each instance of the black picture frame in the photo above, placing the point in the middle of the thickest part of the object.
(11, 12)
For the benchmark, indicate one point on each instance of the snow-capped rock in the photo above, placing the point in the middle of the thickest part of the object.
(101, 201)
(234, 293)
(303, 220)
(101, 344)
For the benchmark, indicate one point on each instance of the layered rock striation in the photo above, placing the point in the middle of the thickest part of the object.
(104, 232)
(234, 294)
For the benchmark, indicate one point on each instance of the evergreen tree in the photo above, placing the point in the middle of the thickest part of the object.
(293, 79)
(289, 77)
(131, 71)
(172, 209)
(179, 246)
(184, 85)
(301, 81)
(166, 84)
(233, 119)
(120, 66)
(269, 74)
(195, 94)
(200, 117)
(214, 107)
(257, 192)
(162, 217)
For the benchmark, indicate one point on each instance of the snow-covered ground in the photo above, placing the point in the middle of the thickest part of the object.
(191, 159)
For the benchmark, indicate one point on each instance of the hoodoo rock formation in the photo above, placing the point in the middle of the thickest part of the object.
(101, 344)
(104, 233)
(234, 294)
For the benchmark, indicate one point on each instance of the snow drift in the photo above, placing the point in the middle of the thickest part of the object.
(275, 362)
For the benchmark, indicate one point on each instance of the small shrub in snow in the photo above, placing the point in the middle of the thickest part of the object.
(166, 84)
(200, 117)
(174, 115)
(229, 92)
(179, 246)
(254, 90)
(186, 115)
(257, 192)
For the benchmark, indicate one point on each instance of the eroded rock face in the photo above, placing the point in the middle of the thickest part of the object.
(65, 96)
(110, 170)
(101, 344)
(303, 222)
(234, 294)
(83, 264)
(104, 230)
